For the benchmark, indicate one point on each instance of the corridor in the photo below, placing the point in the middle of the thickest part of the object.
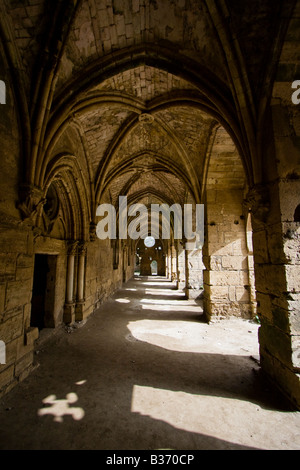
(146, 372)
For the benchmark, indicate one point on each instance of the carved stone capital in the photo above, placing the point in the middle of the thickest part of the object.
(31, 200)
(82, 249)
(72, 248)
(257, 202)
(93, 234)
(183, 242)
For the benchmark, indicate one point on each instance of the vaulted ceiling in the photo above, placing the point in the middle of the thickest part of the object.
(131, 96)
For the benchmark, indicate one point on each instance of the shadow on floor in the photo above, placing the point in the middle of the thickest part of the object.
(102, 388)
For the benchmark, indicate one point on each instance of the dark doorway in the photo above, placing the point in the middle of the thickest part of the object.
(42, 303)
(297, 214)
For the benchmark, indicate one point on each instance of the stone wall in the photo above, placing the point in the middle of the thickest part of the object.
(277, 274)
(15, 297)
(228, 288)
(18, 249)
(16, 254)
(139, 98)
(276, 236)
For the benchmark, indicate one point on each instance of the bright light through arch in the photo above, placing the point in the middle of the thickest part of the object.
(149, 242)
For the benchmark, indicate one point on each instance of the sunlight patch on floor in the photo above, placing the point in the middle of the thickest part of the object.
(123, 301)
(187, 336)
(165, 292)
(61, 408)
(170, 305)
(172, 308)
(243, 423)
(163, 285)
(160, 302)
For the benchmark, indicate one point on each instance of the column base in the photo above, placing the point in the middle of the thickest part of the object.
(69, 313)
(285, 380)
(223, 310)
(194, 294)
(79, 310)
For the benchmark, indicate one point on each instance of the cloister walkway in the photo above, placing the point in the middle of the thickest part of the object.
(146, 372)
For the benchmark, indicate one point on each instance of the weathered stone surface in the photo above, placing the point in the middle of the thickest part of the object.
(6, 376)
(12, 328)
(18, 292)
(164, 102)
(277, 343)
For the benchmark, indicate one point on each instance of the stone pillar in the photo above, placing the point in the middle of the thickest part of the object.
(124, 261)
(174, 264)
(249, 236)
(169, 263)
(187, 273)
(182, 266)
(276, 239)
(69, 309)
(161, 264)
(195, 273)
(225, 256)
(80, 281)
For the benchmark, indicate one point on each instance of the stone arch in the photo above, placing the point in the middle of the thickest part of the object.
(64, 173)
(226, 84)
(150, 255)
(225, 254)
(213, 96)
(275, 232)
(15, 87)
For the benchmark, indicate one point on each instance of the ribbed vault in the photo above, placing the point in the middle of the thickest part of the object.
(162, 102)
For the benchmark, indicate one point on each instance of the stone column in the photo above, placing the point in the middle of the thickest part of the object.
(169, 263)
(225, 256)
(187, 273)
(82, 249)
(69, 310)
(174, 264)
(124, 260)
(277, 277)
(195, 273)
(251, 265)
(181, 266)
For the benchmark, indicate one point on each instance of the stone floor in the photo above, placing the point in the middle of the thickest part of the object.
(146, 372)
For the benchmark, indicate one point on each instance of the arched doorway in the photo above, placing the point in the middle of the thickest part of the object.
(151, 257)
(154, 268)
